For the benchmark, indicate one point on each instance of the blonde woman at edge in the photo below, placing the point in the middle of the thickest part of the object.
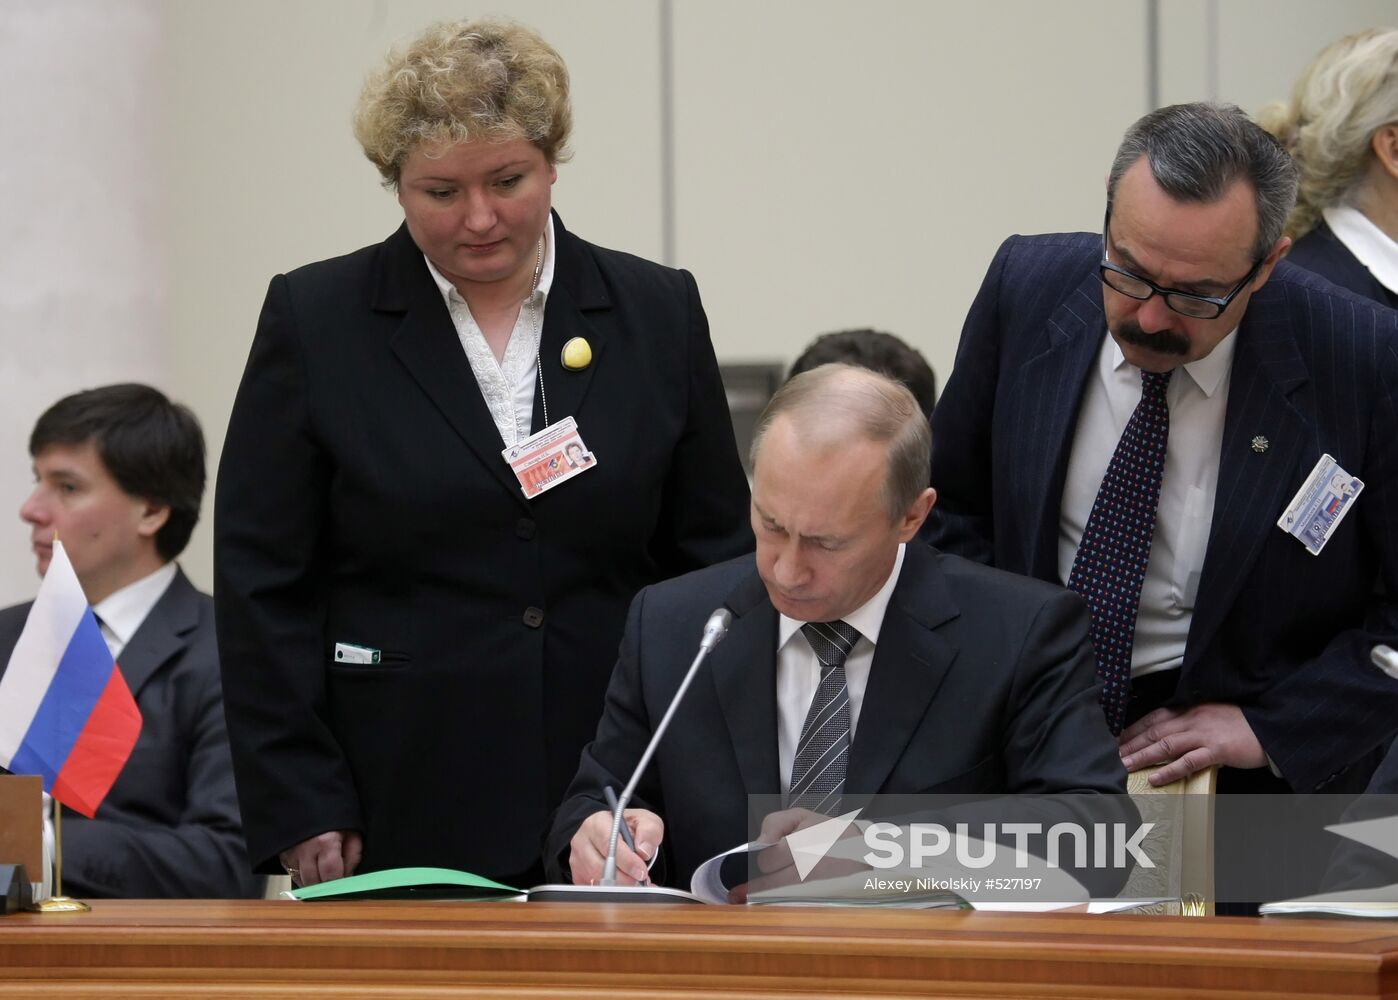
(1341, 126)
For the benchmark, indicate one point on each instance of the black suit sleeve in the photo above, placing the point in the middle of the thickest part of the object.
(622, 735)
(1358, 866)
(704, 515)
(962, 522)
(270, 569)
(1057, 739)
(1060, 760)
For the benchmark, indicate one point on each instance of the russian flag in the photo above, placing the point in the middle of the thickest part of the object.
(66, 713)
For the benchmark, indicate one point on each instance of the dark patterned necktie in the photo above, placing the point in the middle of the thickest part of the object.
(1111, 562)
(822, 752)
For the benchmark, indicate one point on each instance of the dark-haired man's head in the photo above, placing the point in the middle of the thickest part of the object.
(1196, 201)
(119, 476)
(880, 352)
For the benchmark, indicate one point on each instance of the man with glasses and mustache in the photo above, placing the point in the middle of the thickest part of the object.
(1132, 412)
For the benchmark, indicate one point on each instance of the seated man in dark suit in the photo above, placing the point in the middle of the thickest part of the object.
(855, 663)
(119, 474)
(1131, 414)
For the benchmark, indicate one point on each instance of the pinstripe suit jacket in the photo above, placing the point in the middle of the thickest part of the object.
(1281, 633)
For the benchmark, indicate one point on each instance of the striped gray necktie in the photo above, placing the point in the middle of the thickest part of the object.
(822, 753)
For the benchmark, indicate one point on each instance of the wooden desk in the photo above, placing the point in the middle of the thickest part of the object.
(263, 949)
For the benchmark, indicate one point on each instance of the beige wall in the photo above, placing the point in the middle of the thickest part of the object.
(82, 268)
(837, 163)
(857, 164)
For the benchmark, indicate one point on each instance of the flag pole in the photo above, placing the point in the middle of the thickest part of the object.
(118, 724)
(59, 903)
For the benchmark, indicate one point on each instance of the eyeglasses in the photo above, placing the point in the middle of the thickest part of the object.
(1184, 303)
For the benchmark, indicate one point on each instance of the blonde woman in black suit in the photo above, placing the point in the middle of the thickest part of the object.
(415, 650)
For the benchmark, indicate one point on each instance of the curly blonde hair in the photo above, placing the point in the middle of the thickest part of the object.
(1346, 95)
(461, 80)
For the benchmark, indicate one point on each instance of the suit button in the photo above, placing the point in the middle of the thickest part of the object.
(525, 528)
(533, 617)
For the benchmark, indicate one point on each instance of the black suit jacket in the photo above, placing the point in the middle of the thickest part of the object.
(1281, 633)
(982, 683)
(362, 498)
(169, 827)
(1321, 251)
(1358, 866)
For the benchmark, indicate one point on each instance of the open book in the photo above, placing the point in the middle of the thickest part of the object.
(851, 883)
(831, 871)
(717, 877)
(1379, 834)
(1380, 902)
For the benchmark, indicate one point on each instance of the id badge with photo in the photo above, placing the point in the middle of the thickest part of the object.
(549, 457)
(1321, 503)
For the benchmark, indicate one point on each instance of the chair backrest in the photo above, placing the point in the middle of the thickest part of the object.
(1183, 834)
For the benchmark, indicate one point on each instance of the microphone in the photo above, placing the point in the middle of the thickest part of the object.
(1386, 659)
(714, 630)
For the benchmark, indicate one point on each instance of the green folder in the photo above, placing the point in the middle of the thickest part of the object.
(410, 883)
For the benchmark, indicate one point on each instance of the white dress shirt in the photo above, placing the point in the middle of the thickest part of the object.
(120, 614)
(1198, 401)
(1374, 248)
(507, 384)
(798, 670)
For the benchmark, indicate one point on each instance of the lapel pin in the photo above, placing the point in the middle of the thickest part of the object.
(1260, 444)
(577, 354)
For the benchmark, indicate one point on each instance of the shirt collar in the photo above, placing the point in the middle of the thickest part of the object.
(124, 611)
(1374, 248)
(1207, 373)
(450, 295)
(868, 618)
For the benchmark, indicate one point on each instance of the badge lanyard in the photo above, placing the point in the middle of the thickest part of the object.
(555, 454)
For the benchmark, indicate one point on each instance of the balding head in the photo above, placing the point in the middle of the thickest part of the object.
(840, 468)
(829, 406)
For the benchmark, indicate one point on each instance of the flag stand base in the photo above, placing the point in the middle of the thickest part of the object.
(62, 904)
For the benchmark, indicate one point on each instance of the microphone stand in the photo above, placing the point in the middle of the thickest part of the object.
(607, 890)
